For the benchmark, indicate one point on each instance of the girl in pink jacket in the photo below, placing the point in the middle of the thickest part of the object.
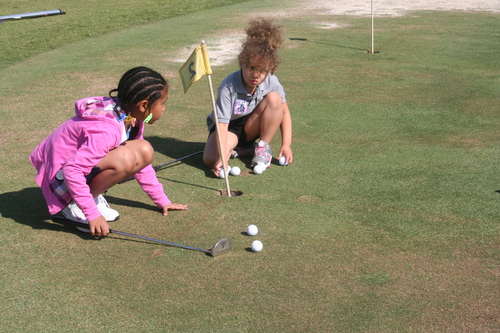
(101, 146)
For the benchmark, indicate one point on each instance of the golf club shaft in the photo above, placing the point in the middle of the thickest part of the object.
(32, 15)
(86, 226)
(158, 241)
(158, 167)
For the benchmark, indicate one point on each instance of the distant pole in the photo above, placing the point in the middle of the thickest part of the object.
(373, 31)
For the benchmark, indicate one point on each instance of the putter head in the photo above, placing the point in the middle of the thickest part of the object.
(221, 247)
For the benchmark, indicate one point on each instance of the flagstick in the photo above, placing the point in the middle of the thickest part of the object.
(221, 149)
(216, 120)
(373, 32)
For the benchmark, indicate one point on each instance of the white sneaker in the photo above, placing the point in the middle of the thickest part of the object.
(74, 213)
(107, 212)
(262, 155)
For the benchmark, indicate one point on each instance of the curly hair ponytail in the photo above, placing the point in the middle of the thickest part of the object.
(262, 42)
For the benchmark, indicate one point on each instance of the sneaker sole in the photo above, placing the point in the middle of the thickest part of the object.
(266, 164)
(117, 218)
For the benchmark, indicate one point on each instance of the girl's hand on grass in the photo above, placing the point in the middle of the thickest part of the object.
(99, 227)
(173, 206)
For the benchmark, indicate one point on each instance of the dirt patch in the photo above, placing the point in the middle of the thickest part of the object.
(221, 50)
(396, 7)
(224, 49)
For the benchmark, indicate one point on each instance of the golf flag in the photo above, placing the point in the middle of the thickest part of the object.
(195, 67)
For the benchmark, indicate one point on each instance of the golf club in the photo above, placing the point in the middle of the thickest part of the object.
(221, 247)
(158, 167)
(44, 13)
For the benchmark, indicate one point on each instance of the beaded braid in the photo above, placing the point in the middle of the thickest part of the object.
(137, 84)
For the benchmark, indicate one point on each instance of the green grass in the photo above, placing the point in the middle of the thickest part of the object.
(83, 20)
(387, 221)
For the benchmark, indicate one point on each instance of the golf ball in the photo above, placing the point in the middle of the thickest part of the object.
(283, 160)
(235, 171)
(222, 174)
(252, 230)
(257, 246)
(259, 168)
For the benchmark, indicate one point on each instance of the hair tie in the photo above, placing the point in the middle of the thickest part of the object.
(124, 117)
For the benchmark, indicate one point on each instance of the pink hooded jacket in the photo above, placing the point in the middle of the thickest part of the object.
(77, 146)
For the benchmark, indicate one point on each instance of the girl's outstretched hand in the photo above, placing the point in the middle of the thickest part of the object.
(99, 227)
(173, 206)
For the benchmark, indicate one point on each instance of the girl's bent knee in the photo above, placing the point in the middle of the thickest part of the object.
(146, 152)
(125, 161)
(274, 99)
(272, 103)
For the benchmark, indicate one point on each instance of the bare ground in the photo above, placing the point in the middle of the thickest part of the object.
(224, 49)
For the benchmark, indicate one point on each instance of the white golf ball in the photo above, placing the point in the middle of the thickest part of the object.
(283, 160)
(222, 174)
(257, 246)
(252, 230)
(235, 171)
(259, 168)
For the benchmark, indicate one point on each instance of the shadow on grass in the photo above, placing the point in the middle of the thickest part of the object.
(324, 43)
(175, 149)
(129, 203)
(348, 47)
(28, 207)
(208, 173)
